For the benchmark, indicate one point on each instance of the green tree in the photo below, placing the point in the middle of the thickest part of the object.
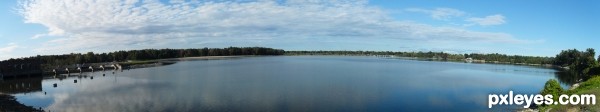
(89, 57)
(567, 57)
(553, 88)
(587, 61)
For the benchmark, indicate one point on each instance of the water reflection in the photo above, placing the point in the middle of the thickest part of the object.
(16, 86)
(569, 77)
(289, 83)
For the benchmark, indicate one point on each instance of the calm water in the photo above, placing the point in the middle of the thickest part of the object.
(286, 83)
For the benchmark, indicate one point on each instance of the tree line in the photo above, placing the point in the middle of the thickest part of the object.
(438, 55)
(146, 54)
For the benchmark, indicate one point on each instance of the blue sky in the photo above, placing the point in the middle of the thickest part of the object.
(536, 28)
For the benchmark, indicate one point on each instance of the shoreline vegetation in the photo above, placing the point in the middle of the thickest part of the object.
(441, 56)
(49, 63)
(582, 66)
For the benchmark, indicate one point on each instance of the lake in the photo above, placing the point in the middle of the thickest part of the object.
(285, 83)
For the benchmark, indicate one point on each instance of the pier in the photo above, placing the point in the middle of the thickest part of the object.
(80, 68)
(29, 67)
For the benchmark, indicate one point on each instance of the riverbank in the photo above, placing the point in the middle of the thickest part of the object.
(10, 104)
(591, 86)
(550, 66)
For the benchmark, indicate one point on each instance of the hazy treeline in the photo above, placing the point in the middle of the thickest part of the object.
(438, 55)
(147, 54)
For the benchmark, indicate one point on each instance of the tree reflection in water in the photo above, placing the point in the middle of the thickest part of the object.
(16, 86)
(569, 77)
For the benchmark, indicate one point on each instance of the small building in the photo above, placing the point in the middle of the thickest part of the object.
(469, 60)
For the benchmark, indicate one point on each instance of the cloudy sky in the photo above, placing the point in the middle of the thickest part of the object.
(537, 28)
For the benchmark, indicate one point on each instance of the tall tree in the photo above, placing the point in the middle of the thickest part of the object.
(567, 57)
(89, 57)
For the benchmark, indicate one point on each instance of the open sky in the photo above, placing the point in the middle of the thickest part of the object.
(516, 27)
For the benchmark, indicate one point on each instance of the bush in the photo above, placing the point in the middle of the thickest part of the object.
(552, 87)
(593, 71)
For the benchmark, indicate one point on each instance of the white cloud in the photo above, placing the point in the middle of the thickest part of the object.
(36, 36)
(10, 48)
(439, 13)
(106, 25)
(488, 20)
(6, 52)
(449, 13)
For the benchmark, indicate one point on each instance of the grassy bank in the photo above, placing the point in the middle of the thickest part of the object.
(591, 86)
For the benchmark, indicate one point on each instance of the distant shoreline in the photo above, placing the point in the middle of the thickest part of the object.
(162, 62)
(549, 66)
(132, 64)
(202, 58)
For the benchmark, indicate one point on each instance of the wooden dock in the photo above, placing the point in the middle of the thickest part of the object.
(14, 68)
(86, 68)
